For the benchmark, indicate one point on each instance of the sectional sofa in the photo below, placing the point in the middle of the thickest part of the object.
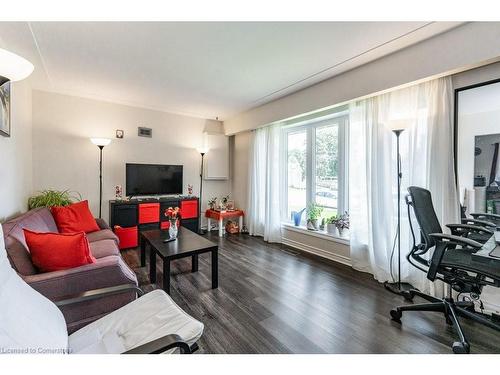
(109, 269)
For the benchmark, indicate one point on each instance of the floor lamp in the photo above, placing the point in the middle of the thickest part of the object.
(100, 142)
(202, 151)
(398, 287)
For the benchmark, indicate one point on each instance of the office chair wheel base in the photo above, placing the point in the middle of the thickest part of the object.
(396, 315)
(461, 348)
(408, 295)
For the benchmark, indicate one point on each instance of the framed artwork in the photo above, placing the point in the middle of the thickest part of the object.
(5, 109)
(230, 205)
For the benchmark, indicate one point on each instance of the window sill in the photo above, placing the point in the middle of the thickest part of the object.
(319, 234)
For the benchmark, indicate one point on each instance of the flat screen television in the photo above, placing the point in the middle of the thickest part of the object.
(153, 179)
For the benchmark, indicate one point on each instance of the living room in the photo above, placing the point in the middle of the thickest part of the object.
(233, 187)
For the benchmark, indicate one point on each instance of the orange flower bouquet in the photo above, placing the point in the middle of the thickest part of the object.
(173, 215)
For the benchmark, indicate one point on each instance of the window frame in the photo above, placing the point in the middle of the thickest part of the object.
(310, 127)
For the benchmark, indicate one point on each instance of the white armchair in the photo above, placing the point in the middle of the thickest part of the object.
(30, 323)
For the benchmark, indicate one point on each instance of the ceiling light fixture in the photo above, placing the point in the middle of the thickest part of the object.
(14, 67)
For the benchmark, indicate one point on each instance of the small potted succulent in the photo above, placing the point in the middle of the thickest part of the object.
(313, 214)
(342, 223)
(212, 202)
(331, 227)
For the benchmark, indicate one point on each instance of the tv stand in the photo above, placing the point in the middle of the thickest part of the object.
(129, 217)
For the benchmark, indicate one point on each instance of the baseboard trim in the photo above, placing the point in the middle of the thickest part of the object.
(317, 251)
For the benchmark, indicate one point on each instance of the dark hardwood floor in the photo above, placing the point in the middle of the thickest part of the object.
(272, 299)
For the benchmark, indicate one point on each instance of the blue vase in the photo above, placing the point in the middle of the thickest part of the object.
(297, 217)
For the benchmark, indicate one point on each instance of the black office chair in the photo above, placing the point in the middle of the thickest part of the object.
(488, 221)
(452, 262)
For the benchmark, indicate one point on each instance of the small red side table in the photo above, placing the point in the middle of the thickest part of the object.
(220, 216)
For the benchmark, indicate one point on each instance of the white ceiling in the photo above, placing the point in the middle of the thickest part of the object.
(201, 69)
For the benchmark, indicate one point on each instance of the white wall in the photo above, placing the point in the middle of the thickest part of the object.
(241, 144)
(460, 49)
(64, 157)
(16, 154)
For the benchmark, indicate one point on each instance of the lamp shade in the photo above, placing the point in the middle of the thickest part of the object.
(202, 150)
(100, 141)
(399, 124)
(14, 67)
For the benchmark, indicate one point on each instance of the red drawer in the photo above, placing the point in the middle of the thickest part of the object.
(166, 224)
(149, 213)
(189, 209)
(128, 237)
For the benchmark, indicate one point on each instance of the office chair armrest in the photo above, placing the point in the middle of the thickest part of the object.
(483, 223)
(469, 228)
(162, 345)
(485, 215)
(456, 240)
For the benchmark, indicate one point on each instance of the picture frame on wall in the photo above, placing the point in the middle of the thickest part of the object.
(5, 109)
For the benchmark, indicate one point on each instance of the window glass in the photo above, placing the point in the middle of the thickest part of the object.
(296, 172)
(327, 168)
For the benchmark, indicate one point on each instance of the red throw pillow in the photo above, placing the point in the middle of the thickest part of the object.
(74, 218)
(57, 251)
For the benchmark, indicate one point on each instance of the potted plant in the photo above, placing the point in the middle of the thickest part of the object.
(313, 214)
(51, 198)
(331, 227)
(212, 203)
(223, 202)
(342, 223)
(323, 224)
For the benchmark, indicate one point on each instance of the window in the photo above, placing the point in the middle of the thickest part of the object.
(315, 158)
(296, 171)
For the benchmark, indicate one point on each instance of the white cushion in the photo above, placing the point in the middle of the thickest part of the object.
(148, 318)
(29, 322)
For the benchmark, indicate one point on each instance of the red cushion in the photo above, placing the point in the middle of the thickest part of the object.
(74, 218)
(58, 251)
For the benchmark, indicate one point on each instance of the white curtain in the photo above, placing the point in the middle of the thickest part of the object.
(263, 214)
(426, 146)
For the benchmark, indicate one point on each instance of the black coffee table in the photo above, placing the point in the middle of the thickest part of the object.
(187, 244)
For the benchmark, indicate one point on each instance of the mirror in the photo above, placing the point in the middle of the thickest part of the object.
(477, 147)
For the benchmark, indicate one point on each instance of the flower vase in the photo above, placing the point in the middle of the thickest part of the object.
(172, 229)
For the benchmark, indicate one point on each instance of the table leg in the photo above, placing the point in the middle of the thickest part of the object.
(194, 263)
(215, 268)
(143, 252)
(221, 227)
(166, 275)
(240, 222)
(152, 265)
(209, 224)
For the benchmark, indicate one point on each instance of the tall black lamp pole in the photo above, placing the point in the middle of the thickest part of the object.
(398, 287)
(100, 142)
(202, 152)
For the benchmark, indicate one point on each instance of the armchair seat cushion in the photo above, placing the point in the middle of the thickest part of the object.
(148, 318)
(103, 234)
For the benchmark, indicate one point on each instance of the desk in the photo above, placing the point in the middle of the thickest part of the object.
(221, 215)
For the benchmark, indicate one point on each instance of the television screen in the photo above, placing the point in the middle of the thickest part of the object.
(153, 179)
